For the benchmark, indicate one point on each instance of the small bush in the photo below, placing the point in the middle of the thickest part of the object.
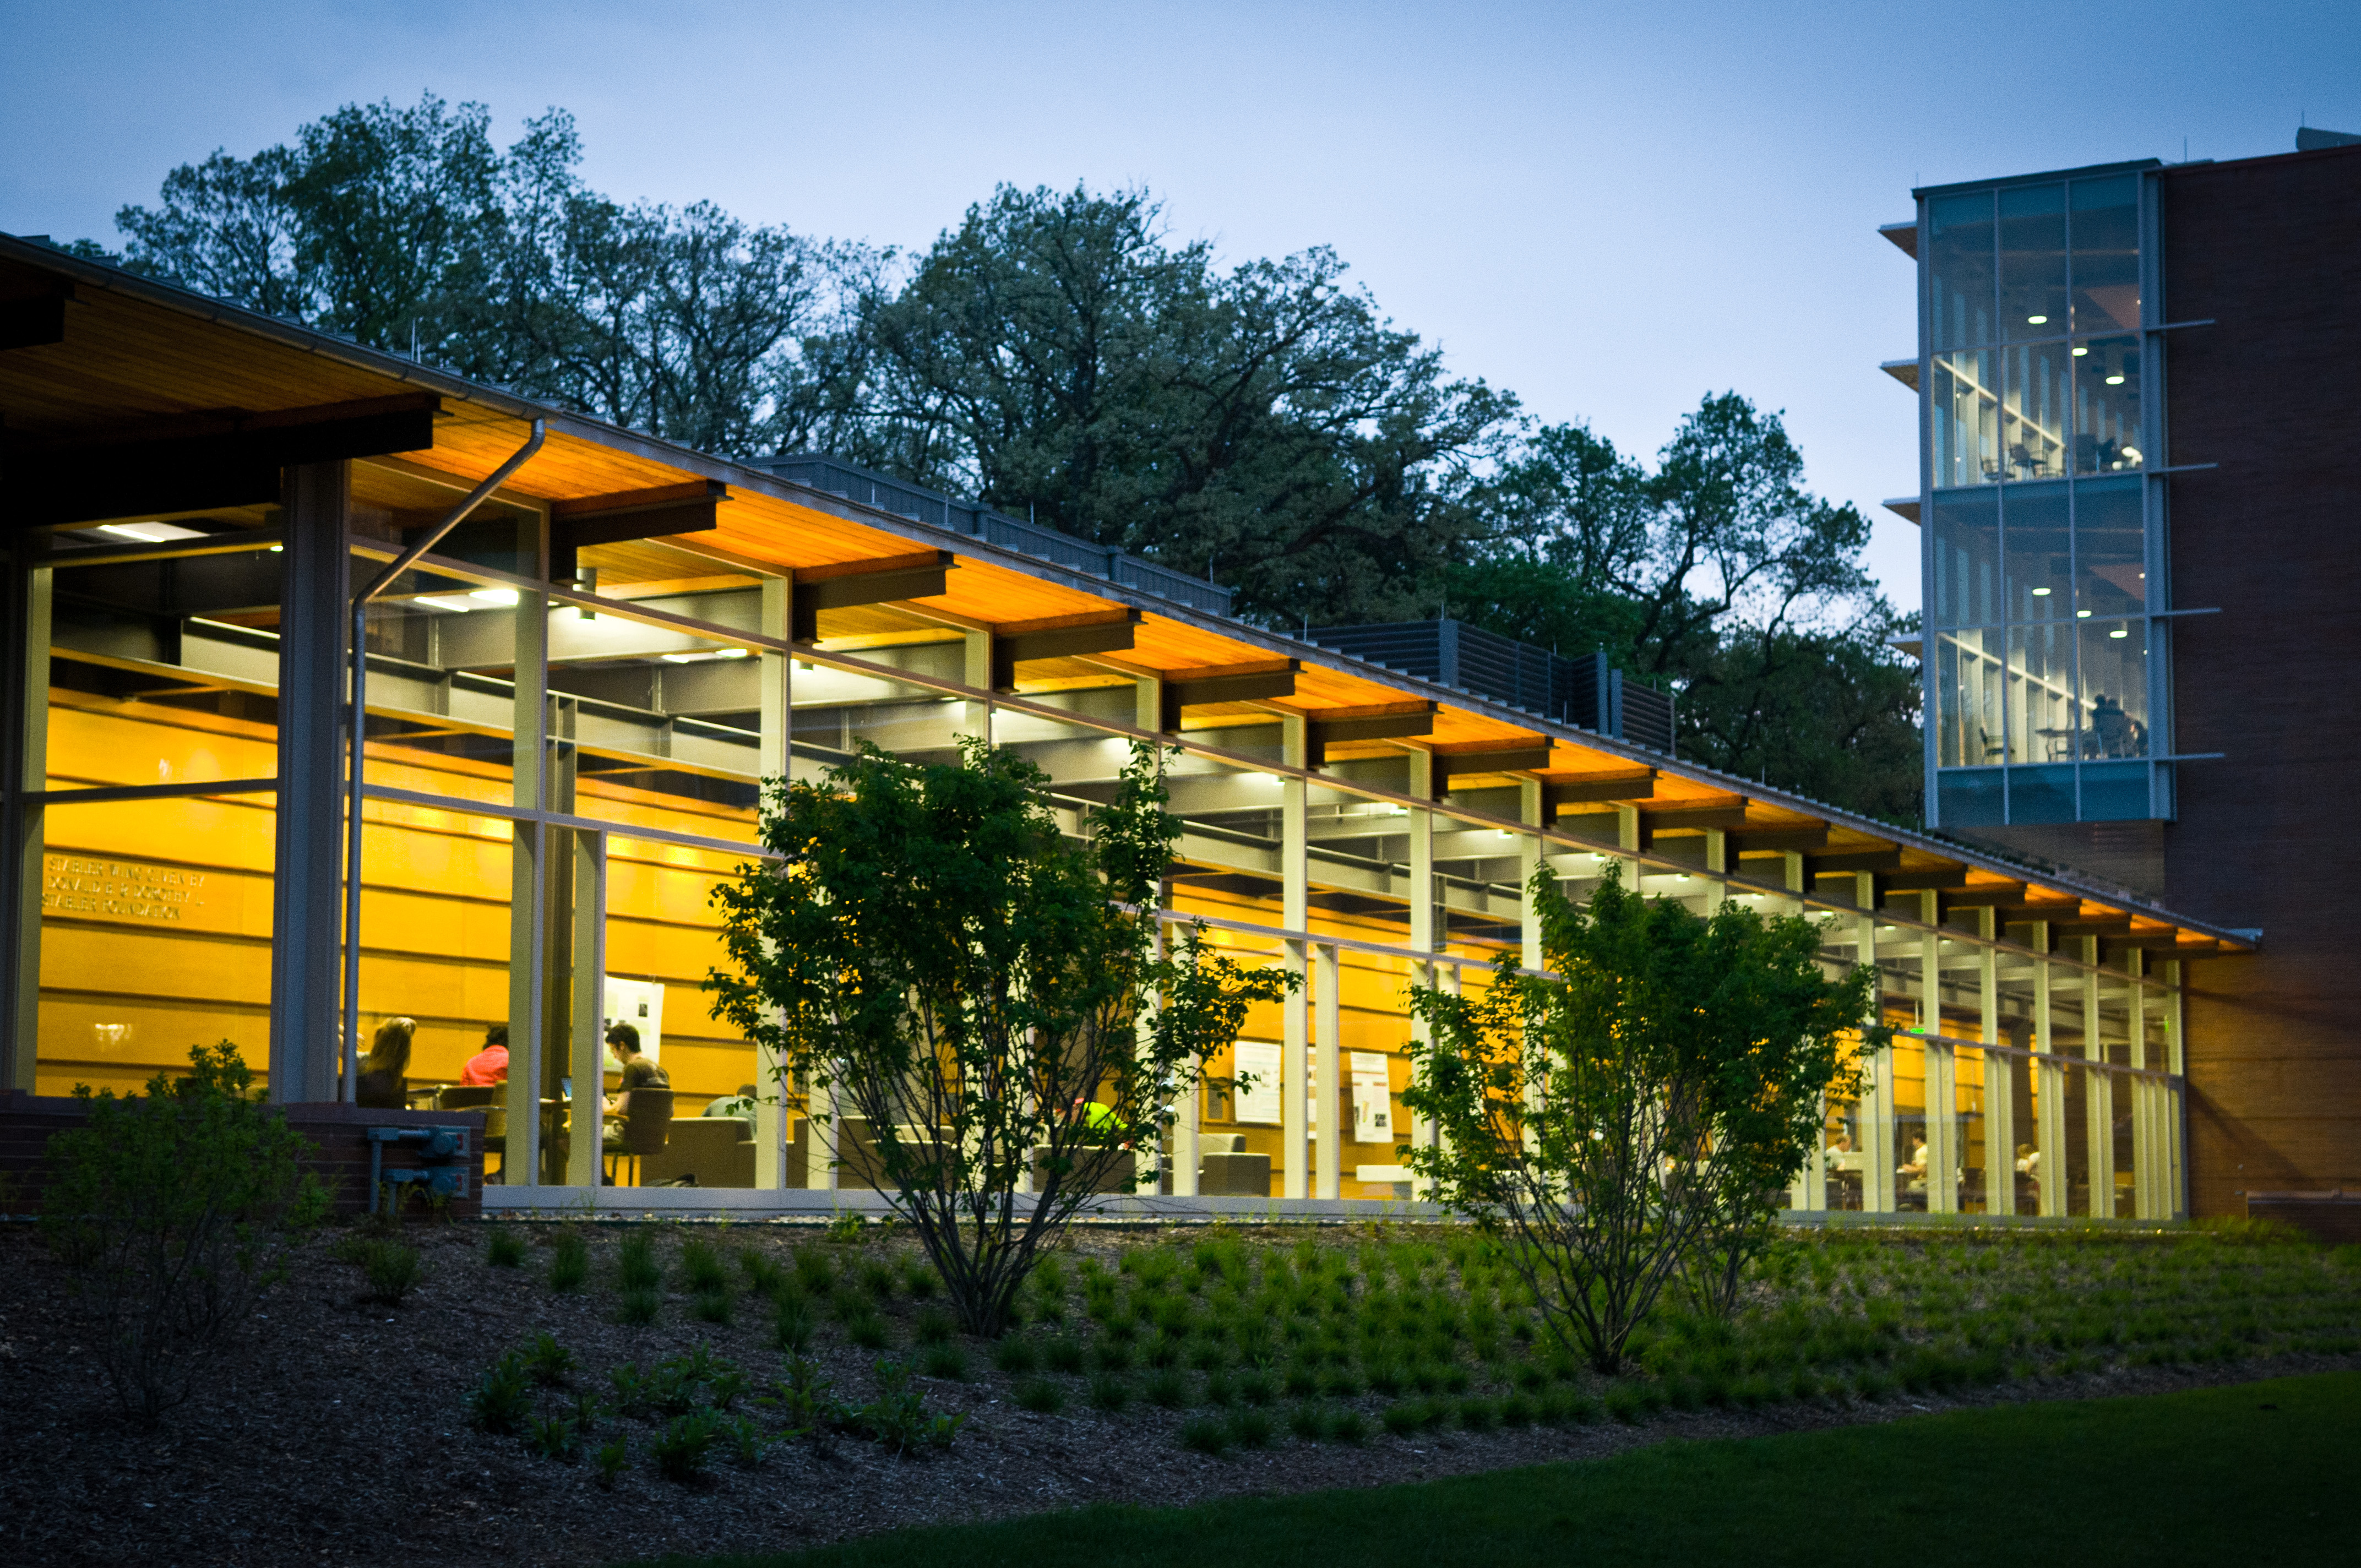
(1624, 1403)
(877, 1278)
(1109, 1393)
(638, 1308)
(1111, 1355)
(1300, 1381)
(763, 1276)
(748, 1442)
(1167, 1390)
(919, 1280)
(1250, 1428)
(813, 1271)
(1479, 1415)
(502, 1397)
(1519, 1411)
(569, 1262)
(393, 1269)
(945, 1360)
(553, 1437)
(1402, 1418)
(701, 1267)
(505, 1249)
(1064, 1355)
(1307, 1422)
(791, 1326)
(547, 1362)
(610, 1461)
(685, 1448)
(636, 1263)
(935, 1326)
(713, 1307)
(1016, 1356)
(1220, 1392)
(1348, 1426)
(1206, 1434)
(1041, 1395)
(869, 1331)
(1255, 1388)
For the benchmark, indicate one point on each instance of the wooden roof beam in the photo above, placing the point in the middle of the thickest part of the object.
(1527, 754)
(922, 574)
(1376, 721)
(1801, 839)
(1609, 789)
(578, 524)
(1209, 684)
(1016, 643)
(1861, 860)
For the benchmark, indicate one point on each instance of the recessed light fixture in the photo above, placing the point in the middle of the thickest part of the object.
(702, 658)
(2039, 321)
(2081, 615)
(494, 595)
(2121, 631)
(454, 603)
(149, 532)
(2079, 352)
(2041, 593)
(2114, 380)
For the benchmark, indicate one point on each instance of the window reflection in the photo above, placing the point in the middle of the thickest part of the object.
(2033, 261)
(1967, 698)
(2107, 405)
(1960, 268)
(1966, 543)
(2041, 694)
(2036, 392)
(2040, 582)
(2110, 560)
(1964, 404)
(2106, 254)
(2115, 688)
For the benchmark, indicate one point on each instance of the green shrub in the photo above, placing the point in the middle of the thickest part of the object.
(1307, 1422)
(898, 1418)
(1348, 1425)
(1250, 1428)
(1519, 1411)
(700, 1268)
(1206, 1434)
(1014, 1355)
(1041, 1395)
(505, 1249)
(712, 1307)
(792, 1325)
(1255, 1387)
(748, 1442)
(1300, 1381)
(1064, 1353)
(393, 1269)
(569, 1261)
(636, 1263)
(1168, 1389)
(1479, 1415)
(935, 1326)
(869, 1331)
(610, 1461)
(547, 1362)
(172, 1213)
(1109, 1392)
(553, 1437)
(1402, 1418)
(945, 1360)
(685, 1448)
(1220, 1391)
(813, 1271)
(877, 1278)
(1625, 1404)
(919, 1279)
(502, 1397)
(1110, 1355)
(638, 1308)
(763, 1276)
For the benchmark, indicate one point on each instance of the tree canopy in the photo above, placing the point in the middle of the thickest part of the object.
(1060, 354)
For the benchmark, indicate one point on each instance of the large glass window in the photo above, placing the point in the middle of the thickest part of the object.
(2033, 261)
(1968, 691)
(2036, 392)
(1960, 268)
(2107, 405)
(1965, 534)
(1963, 404)
(2041, 695)
(2115, 688)
(2110, 558)
(2106, 254)
(2037, 540)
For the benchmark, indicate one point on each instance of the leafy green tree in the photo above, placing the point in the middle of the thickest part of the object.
(172, 1213)
(1632, 1112)
(986, 992)
(1058, 353)
(1716, 574)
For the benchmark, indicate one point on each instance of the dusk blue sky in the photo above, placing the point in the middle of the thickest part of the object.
(1609, 209)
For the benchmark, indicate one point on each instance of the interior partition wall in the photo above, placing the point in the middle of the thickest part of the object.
(556, 778)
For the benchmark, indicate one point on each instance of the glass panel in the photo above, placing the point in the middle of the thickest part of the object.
(2033, 261)
(2110, 554)
(2115, 688)
(1960, 268)
(2036, 529)
(2127, 1098)
(1964, 404)
(435, 895)
(2107, 405)
(1966, 532)
(442, 689)
(2041, 794)
(2036, 392)
(2029, 1086)
(2116, 792)
(1842, 1158)
(2115, 1019)
(1909, 1070)
(1967, 698)
(2078, 1140)
(155, 936)
(2040, 694)
(1969, 1144)
(2106, 254)
(163, 671)
(1969, 798)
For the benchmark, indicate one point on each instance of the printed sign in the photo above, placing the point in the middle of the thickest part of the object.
(1259, 1102)
(1373, 1106)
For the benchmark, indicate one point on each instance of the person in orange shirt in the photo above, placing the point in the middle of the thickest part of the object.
(491, 1065)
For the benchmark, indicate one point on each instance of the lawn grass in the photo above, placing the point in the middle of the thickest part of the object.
(2252, 1471)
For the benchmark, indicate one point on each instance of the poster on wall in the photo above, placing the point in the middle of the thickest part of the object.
(640, 1004)
(1373, 1106)
(1258, 1060)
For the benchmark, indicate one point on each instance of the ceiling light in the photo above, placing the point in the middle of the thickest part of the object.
(277, 549)
(702, 658)
(2041, 593)
(452, 602)
(149, 532)
(2121, 631)
(2131, 454)
(2114, 380)
(2039, 321)
(494, 595)
(2079, 352)
(2081, 615)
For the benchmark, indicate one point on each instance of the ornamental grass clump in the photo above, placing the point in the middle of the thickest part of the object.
(172, 1213)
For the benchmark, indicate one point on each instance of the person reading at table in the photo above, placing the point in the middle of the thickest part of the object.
(381, 1086)
(488, 1066)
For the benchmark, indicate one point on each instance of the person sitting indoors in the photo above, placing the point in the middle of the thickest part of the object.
(740, 1104)
(1839, 1152)
(2028, 1160)
(1915, 1171)
(491, 1065)
(638, 1071)
(381, 1085)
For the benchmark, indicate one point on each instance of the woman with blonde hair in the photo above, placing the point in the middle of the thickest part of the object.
(381, 1086)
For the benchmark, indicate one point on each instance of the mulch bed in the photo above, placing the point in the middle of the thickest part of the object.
(334, 1432)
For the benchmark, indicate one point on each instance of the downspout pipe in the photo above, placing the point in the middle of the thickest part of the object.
(355, 726)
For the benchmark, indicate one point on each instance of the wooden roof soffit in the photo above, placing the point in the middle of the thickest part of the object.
(1984, 896)
(1922, 879)
(1857, 859)
(1259, 681)
(31, 320)
(231, 458)
(577, 525)
(1376, 721)
(1601, 789)
(1676, 817)
(1058, 637)
(1798, 839)
(2106, 925)
(922, 574)
(1527, 754)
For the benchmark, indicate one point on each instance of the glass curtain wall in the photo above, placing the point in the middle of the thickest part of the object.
(2044, 705)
